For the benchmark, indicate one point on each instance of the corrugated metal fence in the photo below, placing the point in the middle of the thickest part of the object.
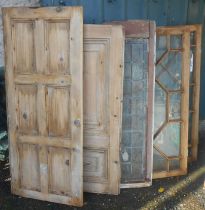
(164, 12)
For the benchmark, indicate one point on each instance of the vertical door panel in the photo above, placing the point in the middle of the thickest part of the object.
(29, 173)
(26, 108)
(58, 116)
(24, 50)
(103, 73)
(95, 164)
(57, 158)
(44, 96)
(58, 46)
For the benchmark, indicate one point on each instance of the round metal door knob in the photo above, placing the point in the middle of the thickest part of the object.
(77, 123)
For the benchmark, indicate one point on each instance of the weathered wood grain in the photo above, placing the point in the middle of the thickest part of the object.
(103, 88)
(44, 83)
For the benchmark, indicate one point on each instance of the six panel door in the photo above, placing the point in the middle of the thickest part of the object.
(44, 48)
(103, 89)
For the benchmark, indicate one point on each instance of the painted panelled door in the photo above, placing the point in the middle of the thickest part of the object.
(44, 76)
(103, 79)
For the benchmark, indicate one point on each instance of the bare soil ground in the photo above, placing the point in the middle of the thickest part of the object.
(184, 193)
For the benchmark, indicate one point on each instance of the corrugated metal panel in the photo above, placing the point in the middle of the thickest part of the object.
(164, 12)
(136, 9)
(195, 11)
(158, 10)
(177, 12)
(92, 14)
(114, 10)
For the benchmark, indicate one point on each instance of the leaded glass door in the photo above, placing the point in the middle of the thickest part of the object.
(137, 119)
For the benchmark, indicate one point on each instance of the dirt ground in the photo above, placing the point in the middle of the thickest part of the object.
(184, 192)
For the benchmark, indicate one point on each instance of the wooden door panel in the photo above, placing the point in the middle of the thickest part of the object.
(29, 173)
(58, 114)
(58, 46)
(44, 93)
(27, 109)
(57, 159)
(95, 164)
(103, 74)
(24, 51)
(95, 111)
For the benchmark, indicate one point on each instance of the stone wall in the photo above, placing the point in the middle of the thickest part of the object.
(11, 3)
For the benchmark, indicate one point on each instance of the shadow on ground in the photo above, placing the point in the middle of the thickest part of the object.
(184, 192)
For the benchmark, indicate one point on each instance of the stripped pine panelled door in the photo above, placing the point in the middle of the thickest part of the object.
(103, 79)
(44, 49)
